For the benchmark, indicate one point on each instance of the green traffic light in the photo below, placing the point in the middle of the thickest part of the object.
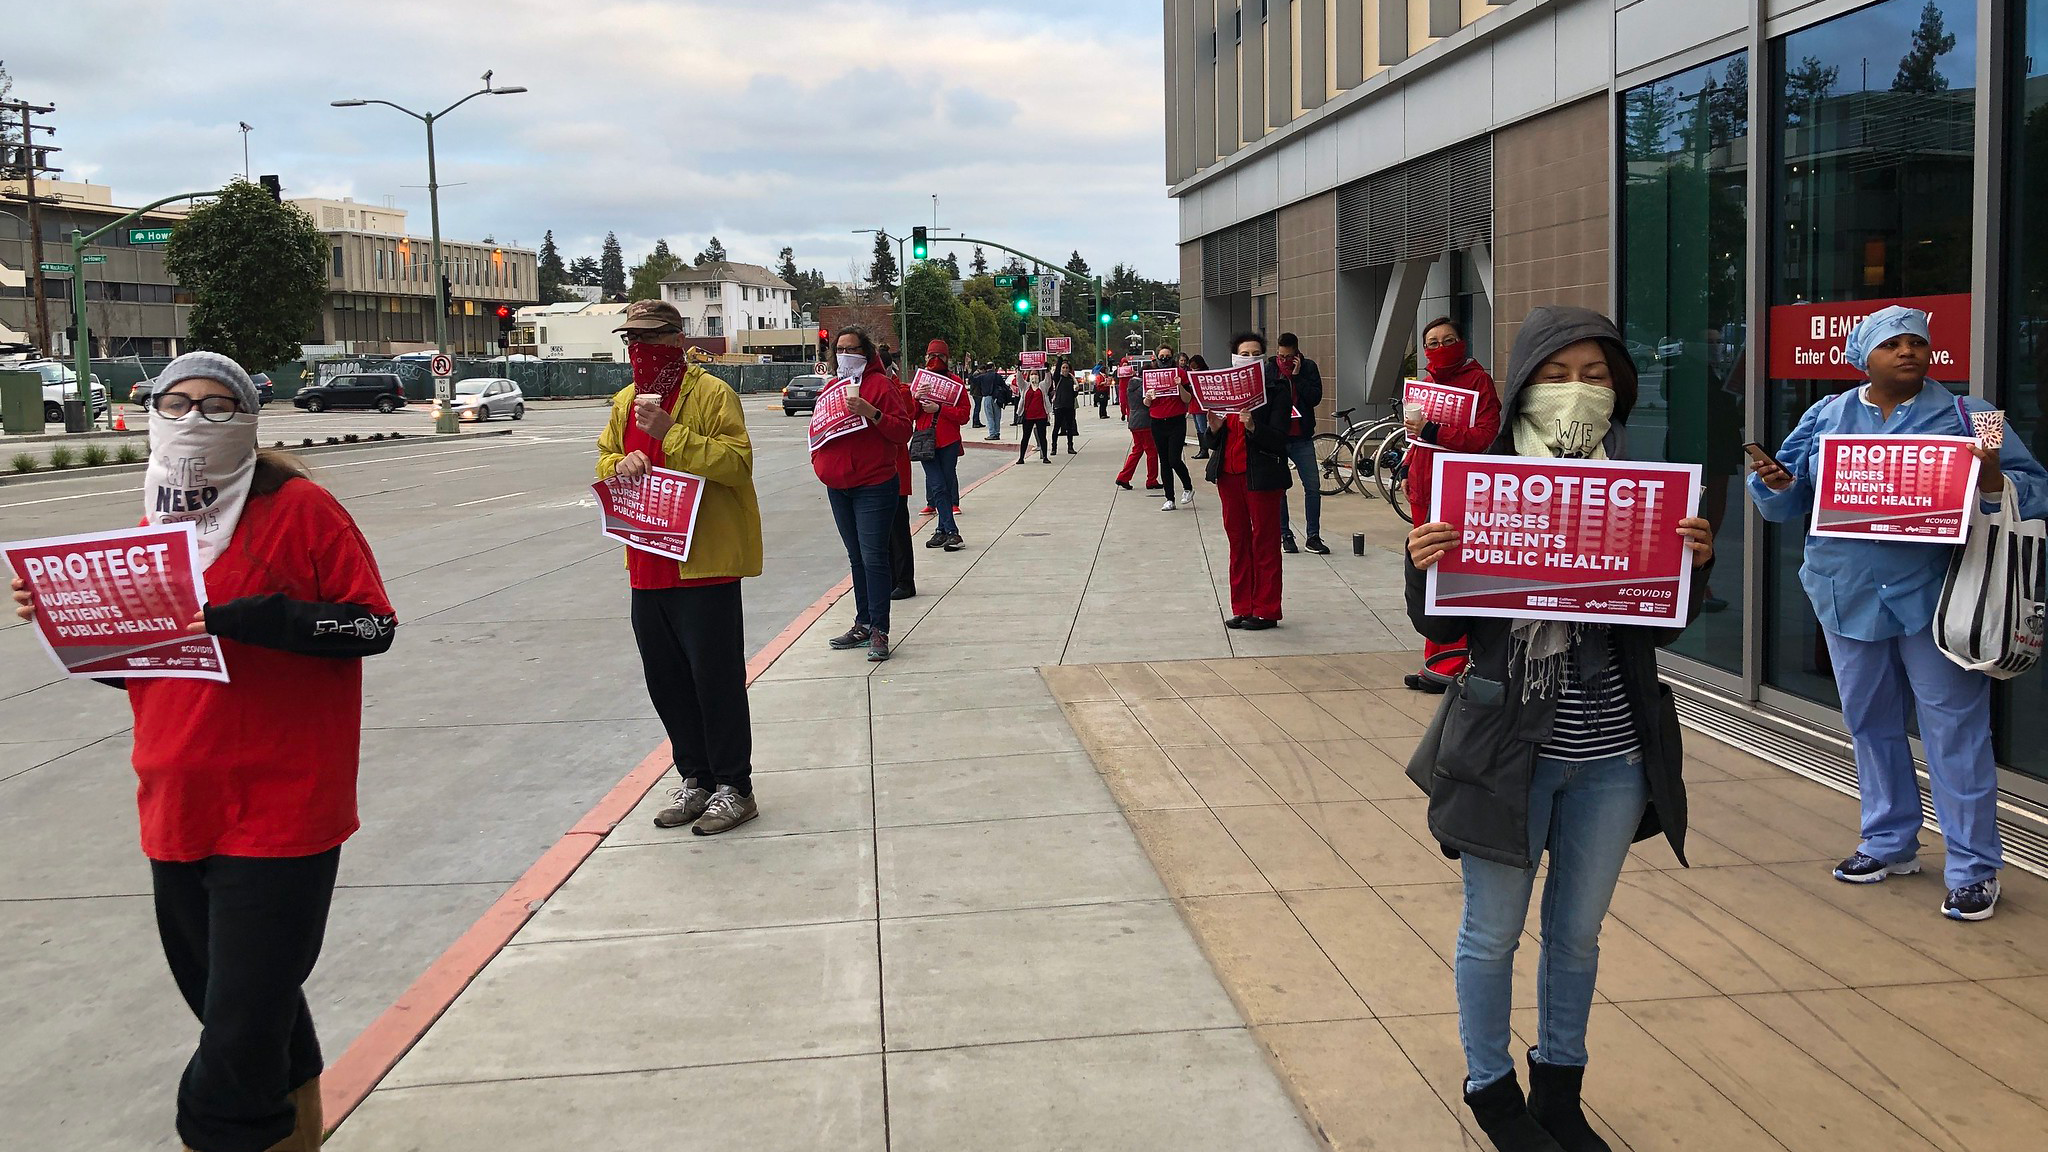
(1023, 306)
(1103, 319)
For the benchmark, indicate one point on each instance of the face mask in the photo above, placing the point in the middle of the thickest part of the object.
(851, 365)
(657, 368)
(1237, 361)
(199, 473)
(1447, 357)
(1565, 420)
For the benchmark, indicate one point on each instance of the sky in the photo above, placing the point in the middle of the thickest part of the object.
(1037, 123)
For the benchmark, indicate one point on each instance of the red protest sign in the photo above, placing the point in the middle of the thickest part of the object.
(1806, 339)
(1030, 359)
(1910, 488)
(655, 513)
(941, 390)
(1440, 404)
(1226, 390)
(833, 418)
(1588, 540)
(1059, 345)
(116, 603)
(1161, 383)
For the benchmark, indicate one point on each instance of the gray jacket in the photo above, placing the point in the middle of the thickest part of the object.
(1134, 400)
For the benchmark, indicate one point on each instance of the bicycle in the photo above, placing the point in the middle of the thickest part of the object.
(1344, 457)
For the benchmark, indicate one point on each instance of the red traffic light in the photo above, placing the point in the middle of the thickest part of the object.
(824, 334)
(504, 312)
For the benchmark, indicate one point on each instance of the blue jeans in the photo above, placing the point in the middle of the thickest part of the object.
(1202, 433)
(992, 416)
(1303, 453)
(1954, 706)
(1586, 813)
(942, 485)
(865, 517)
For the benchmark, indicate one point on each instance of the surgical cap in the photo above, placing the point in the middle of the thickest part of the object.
(1879, 327)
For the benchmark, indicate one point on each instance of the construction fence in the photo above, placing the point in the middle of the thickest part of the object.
(537, 379)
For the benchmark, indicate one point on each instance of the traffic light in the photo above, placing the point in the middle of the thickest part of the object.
(919, 243)
(824, 342)
(1137, 319)
(1104, 319)
(1020, 294)
(447, 293)
(276, 190)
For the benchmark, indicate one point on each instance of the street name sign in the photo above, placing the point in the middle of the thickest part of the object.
(149, 235)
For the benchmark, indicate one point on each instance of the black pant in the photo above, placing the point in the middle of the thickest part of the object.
(1063, 425)
(902, 561)
(1024, 433)
(241, 934)
(1170, 433)
(693, 651)
(1102, 405)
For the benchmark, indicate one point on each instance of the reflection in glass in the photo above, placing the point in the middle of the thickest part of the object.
(1684, 261)
(1874, 116)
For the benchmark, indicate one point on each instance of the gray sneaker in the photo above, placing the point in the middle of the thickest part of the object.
(688, 803)
(727, 810)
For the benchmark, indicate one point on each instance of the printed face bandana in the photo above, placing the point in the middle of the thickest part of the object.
(199, 473)
(1567, 420)
(658, 369)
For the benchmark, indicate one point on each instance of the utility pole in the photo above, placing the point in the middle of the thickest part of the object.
(29, 159)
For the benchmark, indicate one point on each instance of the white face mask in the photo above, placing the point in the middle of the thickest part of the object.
(199, 473)
(852, 364)
(1237, 361)
(1568, 419)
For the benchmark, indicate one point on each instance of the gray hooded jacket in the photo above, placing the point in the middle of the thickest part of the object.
(1548, 330)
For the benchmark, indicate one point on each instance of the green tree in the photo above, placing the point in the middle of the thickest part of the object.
(257, 271)
(979, 265)
(1920, 68)
(934, 312)
(1806, 86)
(584, 270)
(951, 263)
(882, 271)
(785, 264)
(713, 253)
(552, 273)
(983, 340)
(611, 276)
(649, 273)
(8, 131)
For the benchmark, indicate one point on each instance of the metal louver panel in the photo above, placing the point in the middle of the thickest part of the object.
(1236, 259)
(1420, 210)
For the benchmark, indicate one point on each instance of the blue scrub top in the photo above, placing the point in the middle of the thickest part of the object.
(1878, 589)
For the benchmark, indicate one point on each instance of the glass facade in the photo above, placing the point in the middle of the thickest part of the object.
(1684, 247)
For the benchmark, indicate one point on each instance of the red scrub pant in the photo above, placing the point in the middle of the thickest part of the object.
(1141, 445)
(1442, 663)
(1252, 522)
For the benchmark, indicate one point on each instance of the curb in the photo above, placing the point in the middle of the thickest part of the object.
(349, 1079)
(41, 474)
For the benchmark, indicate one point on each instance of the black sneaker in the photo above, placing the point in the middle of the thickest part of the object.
(1315, 544)
(854, 637)
(1862, 869)
(903, 592)
(1288, 545)
(1972, 901)
(1258, 624)
(1235, 621)
(1124, 484)
(1417, 682)
(954, 543)
(938, 540)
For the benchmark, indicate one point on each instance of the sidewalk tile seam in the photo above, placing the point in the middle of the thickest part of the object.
(863, 1054)
(1220, 1030)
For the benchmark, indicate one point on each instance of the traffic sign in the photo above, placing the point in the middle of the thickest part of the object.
(149, 235)
(50, 267)
(1006, 281)
(95, 258)
(441, 365)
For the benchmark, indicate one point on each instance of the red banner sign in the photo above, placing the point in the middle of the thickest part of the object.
(1440, 404)
(1588, 540)
(1910, 488)
(1230, 389)
(1059, 345)
(1160, 383)
(833, 418)
(941, 390)
(656, 513)
(1806, 339)
(1030, 359)
(116, 603)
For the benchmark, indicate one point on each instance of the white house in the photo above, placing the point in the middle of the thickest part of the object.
(721, 299)
(575, 330)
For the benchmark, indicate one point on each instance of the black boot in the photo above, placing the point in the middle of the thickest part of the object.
(1505, 1118)
(1554, 1102)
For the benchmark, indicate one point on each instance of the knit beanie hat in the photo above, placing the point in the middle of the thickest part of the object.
(212, 366)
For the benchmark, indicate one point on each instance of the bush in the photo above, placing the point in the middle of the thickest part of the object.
(130, 454)
(24, 462)
(62, 457)
(95, 455)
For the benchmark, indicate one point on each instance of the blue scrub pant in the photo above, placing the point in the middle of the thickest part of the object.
(1876, 678)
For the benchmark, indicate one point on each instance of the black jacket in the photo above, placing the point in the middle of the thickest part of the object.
(1063, 393)
(1479, 775)
(1266, 466)
(1308, 394)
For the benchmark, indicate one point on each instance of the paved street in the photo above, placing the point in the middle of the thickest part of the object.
(511, 701)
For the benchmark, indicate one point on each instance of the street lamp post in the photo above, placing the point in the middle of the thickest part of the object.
(902, 304)
(444, 410)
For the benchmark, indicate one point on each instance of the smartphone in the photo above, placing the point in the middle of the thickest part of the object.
(1757, 453)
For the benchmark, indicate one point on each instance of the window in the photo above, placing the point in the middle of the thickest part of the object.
(2022, 730)
(714, 326)
(682, 291)
(1684, 295)
(337, 262)
(711, 292)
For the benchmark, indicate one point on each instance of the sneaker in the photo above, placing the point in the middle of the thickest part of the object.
(938, 540)
(1417, 682)
(689, 802)
(1124, 484)
(928, 510)
(1315, 544)
(1972, 901)
(1235, 621)
(954, 543)
(1168, 506)
(727, 811)
(1155, 487)
(903, 592)
(956, 509)
(1862, 869)
(1187, 499)
(853, 637)
(1288, 545)
(1258, 624)
(878, 648)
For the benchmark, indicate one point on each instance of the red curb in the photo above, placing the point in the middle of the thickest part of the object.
(350, 1079)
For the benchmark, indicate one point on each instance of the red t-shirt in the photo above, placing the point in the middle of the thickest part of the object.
(264, 765)
(1236, 461)
(1167, 407)
(1034, 404)
(645, 570)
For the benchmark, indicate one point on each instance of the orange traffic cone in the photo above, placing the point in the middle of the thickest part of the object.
(120, 421)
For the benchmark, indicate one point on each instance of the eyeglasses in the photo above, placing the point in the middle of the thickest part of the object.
(636, 335)
(1440, 342)
(174, 405)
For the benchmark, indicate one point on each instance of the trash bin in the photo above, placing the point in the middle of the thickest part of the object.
(21, 403)
(77, 415)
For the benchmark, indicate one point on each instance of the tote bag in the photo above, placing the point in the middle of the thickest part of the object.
(1995, 597)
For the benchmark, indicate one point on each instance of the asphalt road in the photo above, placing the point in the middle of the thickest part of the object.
(510, 703)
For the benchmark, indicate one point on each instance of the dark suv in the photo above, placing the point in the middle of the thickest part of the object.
(379, 390)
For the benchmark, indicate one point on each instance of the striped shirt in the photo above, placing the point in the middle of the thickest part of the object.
(1594, 720)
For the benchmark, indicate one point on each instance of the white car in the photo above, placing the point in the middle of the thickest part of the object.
(60, 383)
(482, 397)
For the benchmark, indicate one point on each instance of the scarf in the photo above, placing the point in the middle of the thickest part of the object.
(1561, 421)
(199, 474)
(658, 370)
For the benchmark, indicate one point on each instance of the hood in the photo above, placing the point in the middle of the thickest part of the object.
(1548, 329)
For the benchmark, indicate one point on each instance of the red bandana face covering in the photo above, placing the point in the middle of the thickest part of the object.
(658, 369)
(1447, 357)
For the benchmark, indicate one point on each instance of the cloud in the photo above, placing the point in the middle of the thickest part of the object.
(766, 123)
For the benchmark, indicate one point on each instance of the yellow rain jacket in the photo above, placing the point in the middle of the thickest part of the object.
(709, 440)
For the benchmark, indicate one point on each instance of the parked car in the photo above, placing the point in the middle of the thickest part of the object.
(60, 383)
(379, 390)
(801, 394)
(483, 397)
(265, 390)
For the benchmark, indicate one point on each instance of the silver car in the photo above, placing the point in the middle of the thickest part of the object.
(483, 397)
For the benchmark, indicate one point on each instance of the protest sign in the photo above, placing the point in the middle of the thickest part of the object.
(833, 418)
(1587, 540)
(1030, 359)
(1161, 383)
(115, 604)
(941, 390)
(655, 513)
(1059, 345)
(1227, 390)
(1441, 404)
(1909, 488)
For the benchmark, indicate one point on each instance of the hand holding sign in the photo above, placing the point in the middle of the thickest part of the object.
(1230, 390)
(119, 603)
